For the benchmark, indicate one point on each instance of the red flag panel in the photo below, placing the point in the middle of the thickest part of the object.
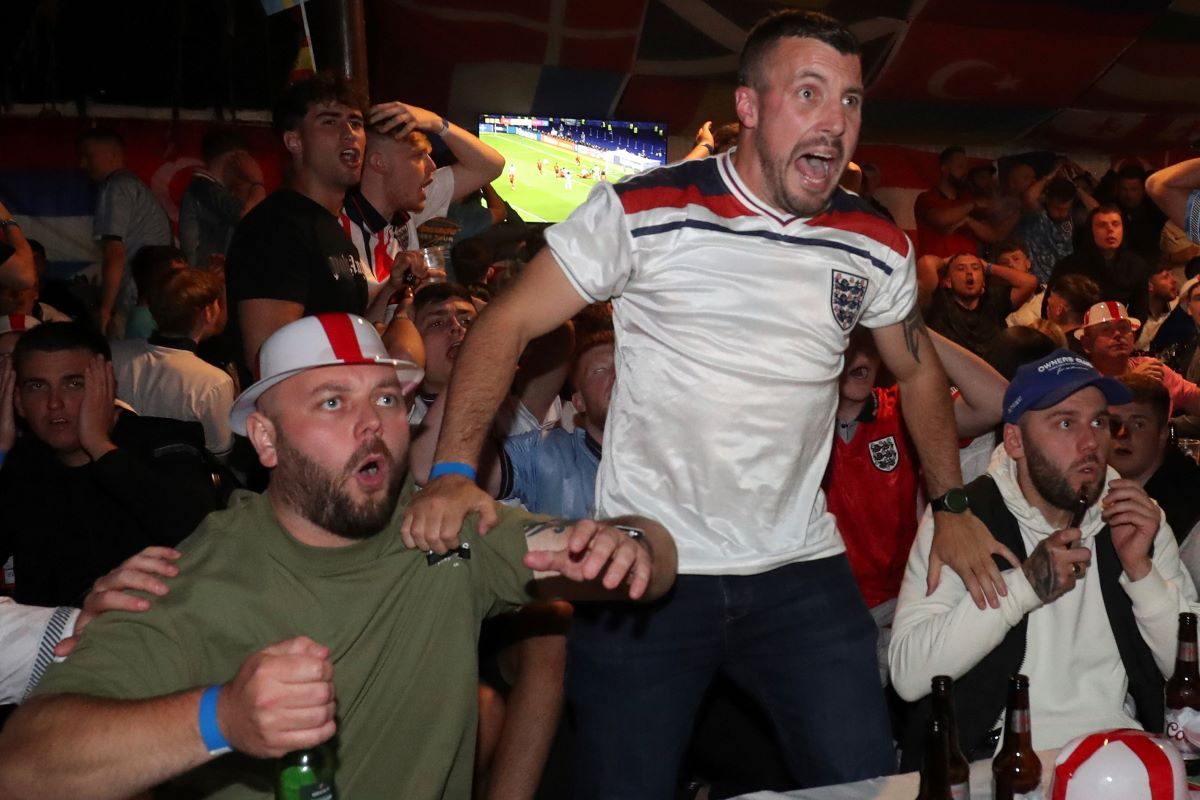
(948, 62)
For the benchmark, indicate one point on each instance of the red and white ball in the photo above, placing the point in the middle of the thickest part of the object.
(1122, 764)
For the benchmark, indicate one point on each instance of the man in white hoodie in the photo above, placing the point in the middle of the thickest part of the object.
(1091, 616)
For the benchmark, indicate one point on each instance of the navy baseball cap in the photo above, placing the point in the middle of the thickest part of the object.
(1052, 379)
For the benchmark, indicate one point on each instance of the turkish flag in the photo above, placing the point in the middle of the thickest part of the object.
(949, 63)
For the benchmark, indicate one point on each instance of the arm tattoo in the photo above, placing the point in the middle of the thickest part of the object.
(557, 525)
(914, 328)
(1042, 575)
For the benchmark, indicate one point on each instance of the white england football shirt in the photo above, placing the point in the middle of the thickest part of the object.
(731, 322)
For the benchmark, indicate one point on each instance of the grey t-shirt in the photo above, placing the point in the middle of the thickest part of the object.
(126, 210)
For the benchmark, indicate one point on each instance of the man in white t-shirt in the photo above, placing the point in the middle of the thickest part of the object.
(162, 376)
(736, 281)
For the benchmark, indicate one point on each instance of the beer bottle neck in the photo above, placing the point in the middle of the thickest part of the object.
(1185, 655)
(1017, 728)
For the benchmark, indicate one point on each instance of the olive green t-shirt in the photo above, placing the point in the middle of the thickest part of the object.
(402, 636)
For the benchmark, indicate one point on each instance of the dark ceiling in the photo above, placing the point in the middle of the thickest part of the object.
(1068, 74)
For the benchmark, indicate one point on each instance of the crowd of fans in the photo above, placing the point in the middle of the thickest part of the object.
(280, 386)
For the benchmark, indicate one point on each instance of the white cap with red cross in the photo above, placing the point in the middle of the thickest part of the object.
(326, 340)
(17, 323)
(1106, 311)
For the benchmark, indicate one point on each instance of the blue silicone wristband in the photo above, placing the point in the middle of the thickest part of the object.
(210, 731)
(3, 455)
(451, 468)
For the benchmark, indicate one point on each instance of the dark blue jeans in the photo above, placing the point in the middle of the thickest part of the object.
(798, 639)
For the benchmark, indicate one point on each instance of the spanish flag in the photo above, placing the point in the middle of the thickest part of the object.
(305, 66)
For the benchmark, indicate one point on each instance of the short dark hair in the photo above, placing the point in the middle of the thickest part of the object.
(790, 22)
(949, 153)
(324, 87)
(944, 270)
(1150, 391)
(150, 263)
(106, 135)
(1060, 190)
(1011, 247)
(1131, 172)
(471, 259)
(725, 136)
(1079, 292)
(1105, 208)
(179, 297)
(861, 340)
(593, 318)
(219, 141)
(1192, 268)
(55, 337)
(432, 293)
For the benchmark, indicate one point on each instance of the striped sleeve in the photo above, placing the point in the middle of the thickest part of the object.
(28, 635)
(1192, 219)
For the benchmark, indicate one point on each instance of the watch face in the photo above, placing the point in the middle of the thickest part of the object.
(955, 501)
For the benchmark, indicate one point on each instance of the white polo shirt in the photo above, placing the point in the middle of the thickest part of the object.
(731, 324)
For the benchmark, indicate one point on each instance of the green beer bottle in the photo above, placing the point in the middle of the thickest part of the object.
(305, 775)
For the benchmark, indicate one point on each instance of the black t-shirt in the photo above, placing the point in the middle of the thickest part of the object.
(972, 328)
(291, 248)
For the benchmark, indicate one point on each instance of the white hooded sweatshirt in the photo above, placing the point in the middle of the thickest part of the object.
(1077, 682)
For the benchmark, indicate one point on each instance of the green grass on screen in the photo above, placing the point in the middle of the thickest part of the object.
(543, 197)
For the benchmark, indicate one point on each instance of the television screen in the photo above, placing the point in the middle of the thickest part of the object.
(551, 163)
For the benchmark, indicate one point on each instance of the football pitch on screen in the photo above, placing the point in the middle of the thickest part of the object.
(541, 197)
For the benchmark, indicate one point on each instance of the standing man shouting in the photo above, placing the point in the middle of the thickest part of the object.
(726, 442)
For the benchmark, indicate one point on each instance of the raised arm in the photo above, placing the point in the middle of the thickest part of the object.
(960, 540)
(945, 219)
(705, 144)
(543, 369)
(1031, 200)
(541, 300)
(1023, 284)
(981, 388)
(985, 231)
(424, 443)
(1171, 187)
(495, 204)
(478, 163)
